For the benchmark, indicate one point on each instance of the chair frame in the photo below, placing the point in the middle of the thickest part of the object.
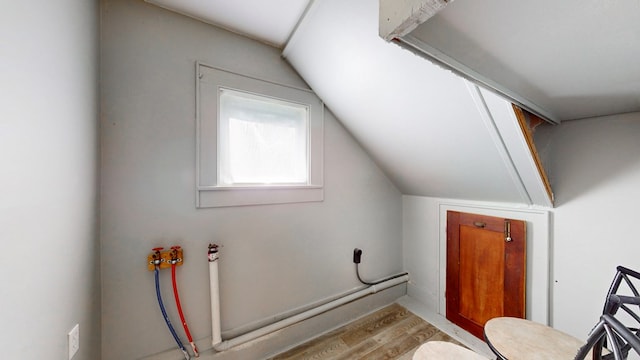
(615, 301)
(610, 333)
(621, 339)
(622, 274)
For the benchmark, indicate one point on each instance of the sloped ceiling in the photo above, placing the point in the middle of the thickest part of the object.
(417, 120)
(569, 59)
(421, 123)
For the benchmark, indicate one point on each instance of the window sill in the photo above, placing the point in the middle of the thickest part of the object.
(224, 196)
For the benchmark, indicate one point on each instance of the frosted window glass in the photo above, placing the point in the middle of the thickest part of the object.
(262, 140)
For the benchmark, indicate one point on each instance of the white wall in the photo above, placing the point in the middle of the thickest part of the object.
(595, 173)
(275, 258)
(49, 178)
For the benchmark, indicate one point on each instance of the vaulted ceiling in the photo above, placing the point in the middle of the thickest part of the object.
(433, 132)
(568, 59)
(420, 122)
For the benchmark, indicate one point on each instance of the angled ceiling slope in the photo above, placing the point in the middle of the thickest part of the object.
(429, 129)
(563, 60)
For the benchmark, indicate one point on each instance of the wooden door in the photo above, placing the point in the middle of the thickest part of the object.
(485, 269)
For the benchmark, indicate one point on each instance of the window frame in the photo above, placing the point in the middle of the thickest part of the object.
(209, 193)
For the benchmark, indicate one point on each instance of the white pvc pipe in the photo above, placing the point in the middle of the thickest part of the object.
(227, 344)
(215, 294)
(246, 328)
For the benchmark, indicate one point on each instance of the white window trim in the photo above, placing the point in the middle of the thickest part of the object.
(209, 80)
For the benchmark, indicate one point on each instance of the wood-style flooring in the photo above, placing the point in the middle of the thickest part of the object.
(390, 333)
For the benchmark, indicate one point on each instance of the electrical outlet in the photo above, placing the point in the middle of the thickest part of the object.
(357, 255)
(73, 338)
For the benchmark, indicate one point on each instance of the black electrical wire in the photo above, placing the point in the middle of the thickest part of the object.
(379, 281)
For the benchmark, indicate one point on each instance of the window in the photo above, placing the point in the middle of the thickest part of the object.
(258, 142)
(262, 140)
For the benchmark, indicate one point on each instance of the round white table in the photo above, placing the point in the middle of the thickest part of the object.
(521, 339)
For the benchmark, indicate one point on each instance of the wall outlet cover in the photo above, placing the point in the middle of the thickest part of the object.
(73, 338)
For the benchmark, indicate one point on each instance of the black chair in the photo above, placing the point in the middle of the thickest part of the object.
(624, 276)
(621, 293)
(617, 332)
(620, 337)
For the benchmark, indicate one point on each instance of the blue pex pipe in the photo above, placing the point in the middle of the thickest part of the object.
(166, 318)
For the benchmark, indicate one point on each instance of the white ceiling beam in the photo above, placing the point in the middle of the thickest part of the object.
(399, 17)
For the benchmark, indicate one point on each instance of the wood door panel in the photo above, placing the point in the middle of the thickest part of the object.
(485, 273)
(481, 274)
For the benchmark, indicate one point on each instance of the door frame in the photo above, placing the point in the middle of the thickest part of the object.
(538, 264)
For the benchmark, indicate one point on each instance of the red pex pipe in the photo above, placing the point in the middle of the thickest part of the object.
(184, 322)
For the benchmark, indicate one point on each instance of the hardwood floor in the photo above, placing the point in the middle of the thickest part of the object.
(390, 333)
